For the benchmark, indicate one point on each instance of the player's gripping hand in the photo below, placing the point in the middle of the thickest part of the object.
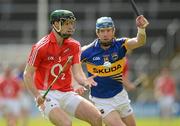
(90, 81)
(39, 100)
(141, 22)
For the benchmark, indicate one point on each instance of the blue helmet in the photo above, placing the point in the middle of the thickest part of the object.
(104, 22)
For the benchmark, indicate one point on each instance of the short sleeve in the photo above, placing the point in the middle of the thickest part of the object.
(124, 41)
(35, 56)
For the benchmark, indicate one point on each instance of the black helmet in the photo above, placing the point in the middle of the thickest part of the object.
(61, 15)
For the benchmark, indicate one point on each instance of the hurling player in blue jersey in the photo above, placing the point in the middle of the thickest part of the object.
(105, 57)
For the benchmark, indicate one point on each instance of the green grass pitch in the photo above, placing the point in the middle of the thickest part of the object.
(38, 121)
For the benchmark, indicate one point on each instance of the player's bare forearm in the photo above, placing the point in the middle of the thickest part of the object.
(78, 73)
(30, 86)
(136, 42)
(141, 23)
(29, 83)
(141, 37)
(28, 80)
(81, 78)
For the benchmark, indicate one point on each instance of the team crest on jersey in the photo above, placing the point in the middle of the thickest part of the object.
(114, 56)
(106, 59)
(66, 50)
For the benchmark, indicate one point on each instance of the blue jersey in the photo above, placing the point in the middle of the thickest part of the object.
(109, 79)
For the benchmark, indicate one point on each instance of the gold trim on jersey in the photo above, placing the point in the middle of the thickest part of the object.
(125, 43)
(116, 68)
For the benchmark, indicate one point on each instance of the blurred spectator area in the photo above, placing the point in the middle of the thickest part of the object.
(19, 24)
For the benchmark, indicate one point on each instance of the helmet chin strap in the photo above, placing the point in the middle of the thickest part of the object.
(64, 36)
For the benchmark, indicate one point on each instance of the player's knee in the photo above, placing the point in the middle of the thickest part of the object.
(97, 120)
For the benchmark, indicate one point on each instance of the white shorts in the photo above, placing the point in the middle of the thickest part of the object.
(119, 102)
(166, 102)
(25, 101)
(10, 106)
(68, 101)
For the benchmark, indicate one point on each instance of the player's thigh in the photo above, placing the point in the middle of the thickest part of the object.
(129, 120)
(58, 117)
(113, 119)
(87, 111)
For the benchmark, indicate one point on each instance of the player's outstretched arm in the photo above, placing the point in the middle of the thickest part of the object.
(140, 39)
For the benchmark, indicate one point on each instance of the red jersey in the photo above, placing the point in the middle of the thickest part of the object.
(9, 87)
(48, 58)
(166, 85)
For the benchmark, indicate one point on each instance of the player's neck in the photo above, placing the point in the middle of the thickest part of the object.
(59, 39)
(105, 47)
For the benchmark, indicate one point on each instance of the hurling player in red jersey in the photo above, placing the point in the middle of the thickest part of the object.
(9, 97)
(46, 59)
(165, 92)
(129, 86)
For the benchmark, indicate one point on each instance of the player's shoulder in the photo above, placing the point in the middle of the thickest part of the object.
(121, 40)
(42, 43)
(73, 42)
(90, 47)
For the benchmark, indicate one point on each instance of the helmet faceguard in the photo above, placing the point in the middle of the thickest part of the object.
(62, 16)
(105, 23)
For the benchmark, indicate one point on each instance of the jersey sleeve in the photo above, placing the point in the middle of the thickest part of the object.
(124, 42)
(35, 56)
(83, 56)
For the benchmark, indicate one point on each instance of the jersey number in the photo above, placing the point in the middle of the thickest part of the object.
(56, 66)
